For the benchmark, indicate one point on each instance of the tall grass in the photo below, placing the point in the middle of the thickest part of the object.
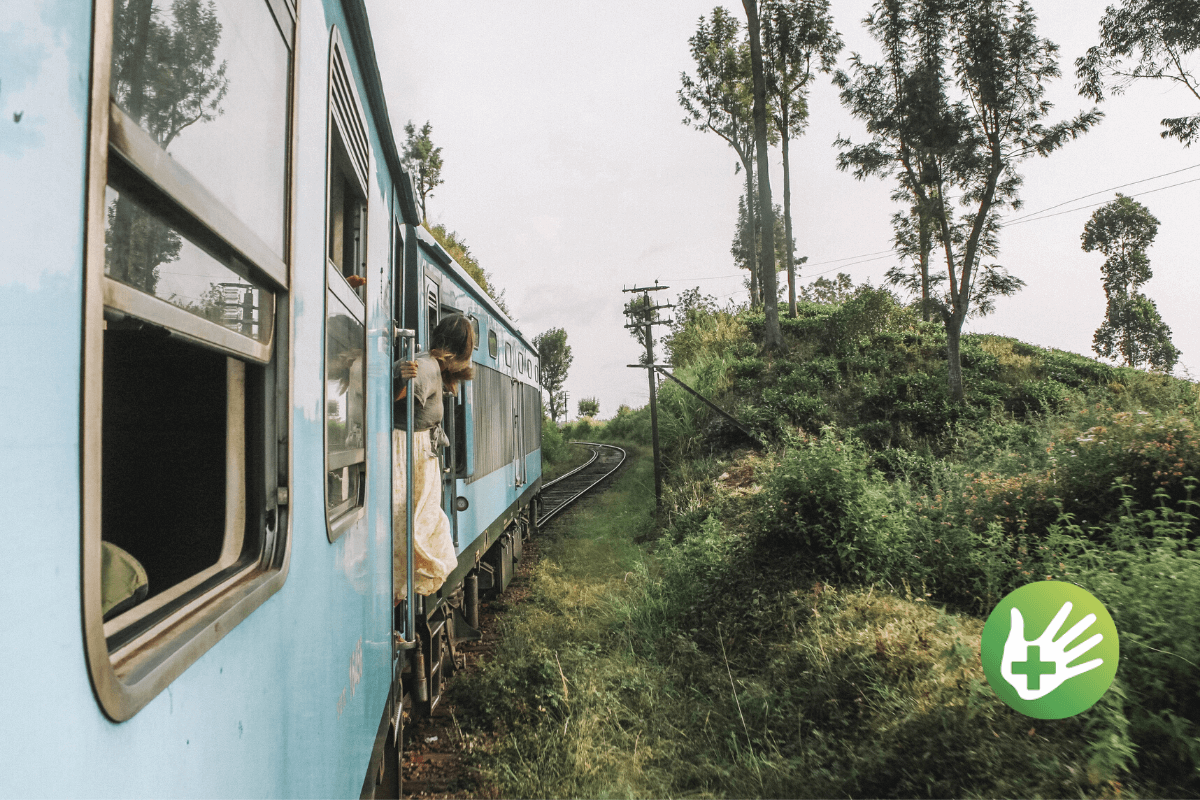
(804, 619)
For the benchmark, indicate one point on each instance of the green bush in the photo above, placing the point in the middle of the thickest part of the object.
(554, 446)
(825, 499)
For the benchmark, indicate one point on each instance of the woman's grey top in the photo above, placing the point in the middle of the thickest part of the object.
(426, 391)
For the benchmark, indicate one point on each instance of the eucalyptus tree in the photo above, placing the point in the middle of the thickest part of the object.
(555, 356)
(423, 161)
(897, 97)
(1146, 40)
(1132, 327)
(798, 39)
(720, 99)
(967, 133)
(772, 337)
(742, 257)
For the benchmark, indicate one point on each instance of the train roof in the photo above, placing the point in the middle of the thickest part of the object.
(447, 261)
(363, 44)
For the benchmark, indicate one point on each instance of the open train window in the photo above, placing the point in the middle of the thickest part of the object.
(433, 291)
(493, 344)
(185, 454)
(345, 309)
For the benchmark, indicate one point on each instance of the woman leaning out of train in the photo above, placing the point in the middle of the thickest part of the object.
(440, 370)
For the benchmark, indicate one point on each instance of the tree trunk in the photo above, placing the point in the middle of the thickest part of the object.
(926, 244)
(787, 219)
(953, 359)
(749, 235)
(772, 338)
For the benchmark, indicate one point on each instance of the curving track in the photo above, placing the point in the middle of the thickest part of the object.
(566, 489)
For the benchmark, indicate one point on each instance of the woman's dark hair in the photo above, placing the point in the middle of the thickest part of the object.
(452, 343)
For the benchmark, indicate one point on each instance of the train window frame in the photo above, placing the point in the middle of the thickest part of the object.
(493, 343)
(475, 324)
(136, 653)
(508, 354)
(348, 159)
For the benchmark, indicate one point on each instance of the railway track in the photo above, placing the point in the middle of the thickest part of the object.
(434, 763)
(566, 489)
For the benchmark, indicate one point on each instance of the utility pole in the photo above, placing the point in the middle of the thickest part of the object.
(648, 320)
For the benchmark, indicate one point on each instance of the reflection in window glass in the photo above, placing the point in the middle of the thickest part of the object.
(345, 361)
(208, 79)
(143, 251)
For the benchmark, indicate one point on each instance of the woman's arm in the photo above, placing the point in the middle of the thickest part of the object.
(408, 371)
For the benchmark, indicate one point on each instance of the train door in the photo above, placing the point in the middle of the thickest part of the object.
(518, 413)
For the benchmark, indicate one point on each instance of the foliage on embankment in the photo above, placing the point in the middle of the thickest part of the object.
(806, 621)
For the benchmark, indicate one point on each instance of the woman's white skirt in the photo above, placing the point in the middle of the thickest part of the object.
(433, 546)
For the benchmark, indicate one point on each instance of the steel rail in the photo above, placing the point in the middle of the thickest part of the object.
(584, 465)
(595, 455)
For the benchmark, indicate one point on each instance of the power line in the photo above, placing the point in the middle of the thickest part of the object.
(1023, 220)
(1103, 191)
(1035, 216)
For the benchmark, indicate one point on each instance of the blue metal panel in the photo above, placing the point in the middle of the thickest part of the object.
(44, 65)
(288, 702)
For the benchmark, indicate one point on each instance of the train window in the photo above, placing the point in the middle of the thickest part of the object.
(345, 310)
(508, 354)
(185, 456)
(475, 325)
(432, 291)
(493, 344)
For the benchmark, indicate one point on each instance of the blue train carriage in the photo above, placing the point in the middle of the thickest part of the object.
(205, 219)
(492, 468)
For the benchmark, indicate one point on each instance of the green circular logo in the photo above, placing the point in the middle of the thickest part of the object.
(1050, 649)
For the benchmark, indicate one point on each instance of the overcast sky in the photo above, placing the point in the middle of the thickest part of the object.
(570, 175)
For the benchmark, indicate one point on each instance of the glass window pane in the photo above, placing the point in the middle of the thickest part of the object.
(145, 252)
(208, 80)
(345, 361)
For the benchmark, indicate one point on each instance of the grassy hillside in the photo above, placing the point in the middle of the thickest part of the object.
(806, 618)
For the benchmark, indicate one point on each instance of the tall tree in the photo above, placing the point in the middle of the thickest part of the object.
(1132, 328)
(555, 355)
(968, 134)
(720, 99)
(772, 337)
(798, 38)
(423, 161)
(910, 84)
(743, 258)
(1145, 40)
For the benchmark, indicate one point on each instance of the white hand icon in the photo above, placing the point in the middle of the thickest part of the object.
(1038, 667)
